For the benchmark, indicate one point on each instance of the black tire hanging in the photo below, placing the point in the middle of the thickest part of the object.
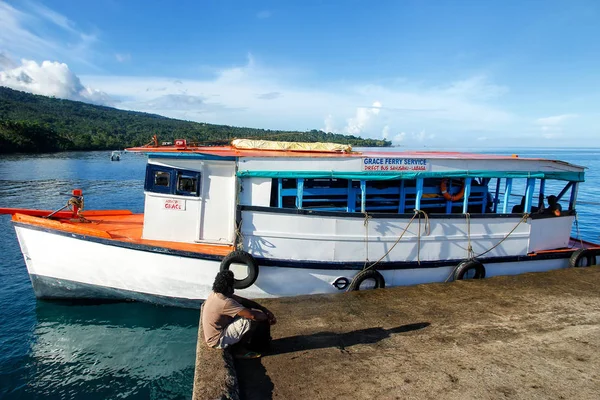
(582, 258)
(363, 276)
(241, 257)
(469, 265)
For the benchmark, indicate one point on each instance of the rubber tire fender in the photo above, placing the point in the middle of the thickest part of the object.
(581, 254)
(364, 275)
(241, 257)
(464, 266)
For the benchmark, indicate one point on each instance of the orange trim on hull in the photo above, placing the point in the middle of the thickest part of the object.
(125, 227)
(61, 214)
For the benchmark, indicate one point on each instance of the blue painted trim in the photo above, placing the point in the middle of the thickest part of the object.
(529, 194)
(497, 195)
(191, 156)
(467, 194)
(300, 192)
(402, 199)
(507, 191)
(403, 265)
(386, 175)
(280, 193)
(363, 196)
(564, 190)
(419, 194)
(573, 199)
(541, 196)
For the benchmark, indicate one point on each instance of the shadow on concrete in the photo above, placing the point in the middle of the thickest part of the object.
(254, 383)
(323, 340)
(252, 375)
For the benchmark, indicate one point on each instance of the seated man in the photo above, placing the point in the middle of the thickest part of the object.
(554, 207)
(228, 319)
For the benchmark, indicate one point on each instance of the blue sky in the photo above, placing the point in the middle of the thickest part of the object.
(421, 73)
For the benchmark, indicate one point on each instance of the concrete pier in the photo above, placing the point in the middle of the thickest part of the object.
(532, 336)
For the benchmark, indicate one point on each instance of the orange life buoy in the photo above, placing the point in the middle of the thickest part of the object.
(452, 197)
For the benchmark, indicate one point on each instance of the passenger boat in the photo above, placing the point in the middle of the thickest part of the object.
(296, 218)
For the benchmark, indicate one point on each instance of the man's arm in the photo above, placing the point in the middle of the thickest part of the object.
(252, 315)
(249, 304)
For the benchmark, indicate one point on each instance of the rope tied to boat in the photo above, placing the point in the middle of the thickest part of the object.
(472, 256)
(366, 225)
(417, 213)
(523, 219)
(470, 252)
(427, 230)
(76, 202)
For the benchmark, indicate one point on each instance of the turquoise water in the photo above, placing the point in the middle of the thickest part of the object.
(122, 350)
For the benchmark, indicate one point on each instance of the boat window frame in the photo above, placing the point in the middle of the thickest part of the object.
(174, 175)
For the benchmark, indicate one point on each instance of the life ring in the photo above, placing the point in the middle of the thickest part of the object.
(582, 258)
(446, 193)
(363, 276)
(465, 267)
(241, 257)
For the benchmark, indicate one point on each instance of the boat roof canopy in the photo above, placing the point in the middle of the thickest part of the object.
(328, 160)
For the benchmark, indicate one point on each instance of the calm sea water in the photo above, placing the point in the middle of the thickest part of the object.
(123, 350)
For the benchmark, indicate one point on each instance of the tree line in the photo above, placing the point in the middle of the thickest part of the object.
(37, 124)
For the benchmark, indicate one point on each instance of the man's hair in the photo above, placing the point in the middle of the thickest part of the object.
(552, 199)
(223, 283)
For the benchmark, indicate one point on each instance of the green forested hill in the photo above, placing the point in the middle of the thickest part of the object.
(32, 124)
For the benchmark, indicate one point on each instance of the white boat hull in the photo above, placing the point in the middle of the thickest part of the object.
(63, 265)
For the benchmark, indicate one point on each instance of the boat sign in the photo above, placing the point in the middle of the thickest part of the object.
(174, 205)
(394, 164)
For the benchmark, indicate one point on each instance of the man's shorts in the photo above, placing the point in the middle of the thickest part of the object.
(234, 332)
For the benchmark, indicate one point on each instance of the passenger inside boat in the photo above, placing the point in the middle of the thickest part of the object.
(554, 208)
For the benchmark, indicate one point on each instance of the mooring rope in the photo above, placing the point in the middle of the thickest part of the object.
(366, 225)
(523, 219)
(417, 213)
(470, 252)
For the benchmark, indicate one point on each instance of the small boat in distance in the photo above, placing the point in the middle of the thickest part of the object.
(115, 156)
(302, 218)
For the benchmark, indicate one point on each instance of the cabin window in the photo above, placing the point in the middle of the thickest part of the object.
(188, 184)
(161, 178)
(168, 180)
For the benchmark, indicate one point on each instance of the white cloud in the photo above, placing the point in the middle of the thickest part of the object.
(399, 137)
(409, 107)
(555, 119)
(357, 124)
(50, 79)
(482, 138)
(385, 133)
(552, 127)
(329, 124)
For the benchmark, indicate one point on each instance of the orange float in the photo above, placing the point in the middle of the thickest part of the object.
(446, 193)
